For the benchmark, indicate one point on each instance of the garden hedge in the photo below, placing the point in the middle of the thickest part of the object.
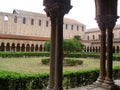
(17, 81)
(116, 57)
(66, 61)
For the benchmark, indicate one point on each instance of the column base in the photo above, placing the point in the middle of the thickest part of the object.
(99, 82)
(49, 87)
(58, 88)
(108, 85)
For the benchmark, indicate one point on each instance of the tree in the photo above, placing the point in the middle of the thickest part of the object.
(47, 46)
(78, 39)
(69, 45)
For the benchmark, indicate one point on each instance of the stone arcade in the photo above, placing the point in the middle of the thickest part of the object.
(106, 17)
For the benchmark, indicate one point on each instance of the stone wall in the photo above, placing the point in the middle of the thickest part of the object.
(30, 24)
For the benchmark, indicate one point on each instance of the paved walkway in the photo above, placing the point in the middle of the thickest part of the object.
(92, 87)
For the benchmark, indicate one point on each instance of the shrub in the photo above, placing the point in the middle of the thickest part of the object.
(72, 62)
(71, 79)
(66, 62)
(23, 54)
(45, 61)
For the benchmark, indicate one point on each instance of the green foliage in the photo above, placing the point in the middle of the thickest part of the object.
(17, 81)
(47, 46)
(66, 62)
(45, 61)
(116, 57)
(73, 62)
(23, 54)
(84, 55)
(77, 37)
(69, 45)
(71, 79)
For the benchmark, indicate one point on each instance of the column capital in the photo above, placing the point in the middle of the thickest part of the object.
(57, 9)
(106, 21)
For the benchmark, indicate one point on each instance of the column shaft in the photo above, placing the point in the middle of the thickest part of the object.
(102, 57)
(52, 54)
(109, 56)
(59, 54)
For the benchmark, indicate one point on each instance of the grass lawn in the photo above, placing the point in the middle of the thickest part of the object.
(34, 65)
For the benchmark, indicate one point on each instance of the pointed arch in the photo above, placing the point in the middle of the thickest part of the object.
(13, 47)
(117, 49)
(36, 48)
(18, 47)
(23, 47)
(8, 47)
(40, 48)
(2, 47)
(32, 48)
(27, 48)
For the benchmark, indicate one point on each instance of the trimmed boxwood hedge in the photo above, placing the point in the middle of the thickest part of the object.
(116, 57)
(66, 62)
(71, 79)
(24, 54)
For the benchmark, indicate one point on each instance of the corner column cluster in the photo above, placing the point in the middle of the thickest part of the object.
(106, 17)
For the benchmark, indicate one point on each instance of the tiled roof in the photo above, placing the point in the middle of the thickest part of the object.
(29, 13)
(97, 29)
(68, 20)
(20, 37)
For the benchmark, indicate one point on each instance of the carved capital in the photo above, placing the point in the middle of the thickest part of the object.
(111, 21)
(57, 9)
(101, 22)
(106, 21)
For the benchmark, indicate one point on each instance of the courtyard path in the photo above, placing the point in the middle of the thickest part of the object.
(92, 87)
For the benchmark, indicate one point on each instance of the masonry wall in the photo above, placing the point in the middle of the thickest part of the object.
(32, 25)
(92, 40)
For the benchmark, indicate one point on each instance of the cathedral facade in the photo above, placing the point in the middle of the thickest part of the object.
(27, 31)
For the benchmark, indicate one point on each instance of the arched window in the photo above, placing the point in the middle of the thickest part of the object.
(5, 18)
(93, 37)
(87, 37)
(66, 26)
(47, 23)
(71, 27)
(39, 22)
(99, 36)
(15, 19)
(77, 27)
(32, 21)
(82, 28)
(24, 20)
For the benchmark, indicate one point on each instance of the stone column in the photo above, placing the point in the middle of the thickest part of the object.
(101, 24)
(52, 53)
(109, 83)
(106, 13)
(59, 53)
(56, 9)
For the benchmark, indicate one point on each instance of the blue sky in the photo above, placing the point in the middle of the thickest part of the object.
(83, 10)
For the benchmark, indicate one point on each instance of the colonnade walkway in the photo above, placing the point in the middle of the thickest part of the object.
(93, 87)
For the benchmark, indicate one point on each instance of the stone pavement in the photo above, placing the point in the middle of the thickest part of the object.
(93, 87)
